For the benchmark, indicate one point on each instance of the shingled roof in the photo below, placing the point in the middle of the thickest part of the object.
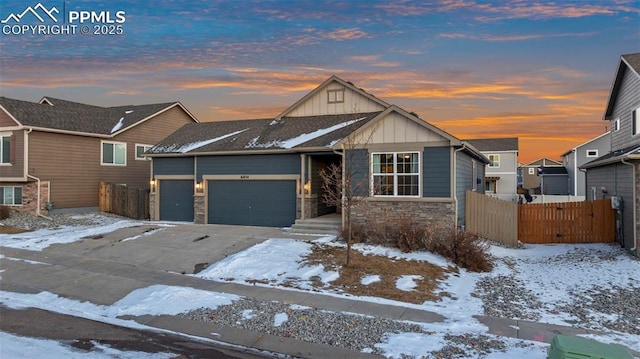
(286, 133)
(494, 144)
(56, 114)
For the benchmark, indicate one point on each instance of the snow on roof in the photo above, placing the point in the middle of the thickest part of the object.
(305, 137)
(118, 125)
(193, 145)
(300, 139)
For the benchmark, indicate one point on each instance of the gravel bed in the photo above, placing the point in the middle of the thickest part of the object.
(507, 297)
(348, 331)
(621, 307)
(32, 222)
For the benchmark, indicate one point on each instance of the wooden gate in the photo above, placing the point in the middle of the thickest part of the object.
(571, 222)
(124, 201)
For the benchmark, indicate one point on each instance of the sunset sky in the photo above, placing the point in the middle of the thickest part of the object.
(537, 70)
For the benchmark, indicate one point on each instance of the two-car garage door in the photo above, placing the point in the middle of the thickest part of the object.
(270, 203)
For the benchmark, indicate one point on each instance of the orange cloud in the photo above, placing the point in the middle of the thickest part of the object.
(345, 34)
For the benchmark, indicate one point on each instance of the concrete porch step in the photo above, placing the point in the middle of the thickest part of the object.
(317, 226)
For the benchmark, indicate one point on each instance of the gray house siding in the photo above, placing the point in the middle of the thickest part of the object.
(437, 174)
(359, 162)
(469, 176)
(555, 184)
(578, 157)
(253, 164)
(628, 99)
(173, 166)
(614, 180)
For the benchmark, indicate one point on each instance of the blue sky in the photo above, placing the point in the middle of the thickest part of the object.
(539, 70)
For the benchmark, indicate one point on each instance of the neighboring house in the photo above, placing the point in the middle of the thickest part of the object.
(530, 178)
(581, 154)
(501, 177)
(617, 173)
(266, 171)
(56, 152)
(554, 180)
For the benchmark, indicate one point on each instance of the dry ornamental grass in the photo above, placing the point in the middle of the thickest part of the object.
(389, 270)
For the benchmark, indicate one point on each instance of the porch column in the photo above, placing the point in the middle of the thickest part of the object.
(303, 163)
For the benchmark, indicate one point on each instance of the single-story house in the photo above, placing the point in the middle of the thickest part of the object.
(54, 153)
(616, 174)
(266, 172)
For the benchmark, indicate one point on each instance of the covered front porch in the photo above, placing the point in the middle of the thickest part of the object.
(310, 194)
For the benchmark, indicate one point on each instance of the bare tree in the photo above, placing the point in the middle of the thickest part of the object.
(345, 184)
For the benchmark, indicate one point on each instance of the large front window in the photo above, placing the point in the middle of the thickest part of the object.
(396, 174)
(114, 153)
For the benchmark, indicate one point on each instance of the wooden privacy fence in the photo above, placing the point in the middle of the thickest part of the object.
(123, 200)
(492, 218)
(571, 222)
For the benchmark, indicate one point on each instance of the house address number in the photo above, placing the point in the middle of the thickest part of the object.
(244, 177)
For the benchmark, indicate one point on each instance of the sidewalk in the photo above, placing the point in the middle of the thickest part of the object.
(102, 274)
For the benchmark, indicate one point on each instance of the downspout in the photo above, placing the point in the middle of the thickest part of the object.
(303, 162)
(455, 189)
(26, 171)
(635, 232)
(575, 172)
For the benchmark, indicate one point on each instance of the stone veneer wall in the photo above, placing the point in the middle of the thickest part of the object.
(152, 207)
(439, 216)
(310, 207)
(198, 209)
(30, 196)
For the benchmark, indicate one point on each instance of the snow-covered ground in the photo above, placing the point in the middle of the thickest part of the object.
(552, 275)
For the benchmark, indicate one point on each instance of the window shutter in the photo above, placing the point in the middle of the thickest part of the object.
(12, 149)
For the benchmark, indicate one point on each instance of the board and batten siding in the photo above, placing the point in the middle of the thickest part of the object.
(16, 169)
(318, 104)
(616, 179)
(395, 129)
(628, 99)
(436, 172)
(248, 165)
(73, 164)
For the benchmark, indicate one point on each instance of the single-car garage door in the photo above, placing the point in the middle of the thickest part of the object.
(176, 200)
(269, 203)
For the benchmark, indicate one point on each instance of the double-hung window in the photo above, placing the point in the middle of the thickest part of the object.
(5, 149)
(114, 153)
(11, 196)
(494, 161)
(140, 150)
(396, 174)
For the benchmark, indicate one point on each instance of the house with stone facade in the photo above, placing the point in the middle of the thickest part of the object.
(266, 172)
(54, 153)
(616, 175)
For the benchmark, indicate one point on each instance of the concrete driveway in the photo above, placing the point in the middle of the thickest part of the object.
(182, 248)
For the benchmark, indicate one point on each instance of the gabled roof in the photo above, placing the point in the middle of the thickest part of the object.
(326, 83)
(628, 153)
(495, 144)
(285, 134)
(586, 143)
(67, 116)
(543, 162)
(629, 62)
